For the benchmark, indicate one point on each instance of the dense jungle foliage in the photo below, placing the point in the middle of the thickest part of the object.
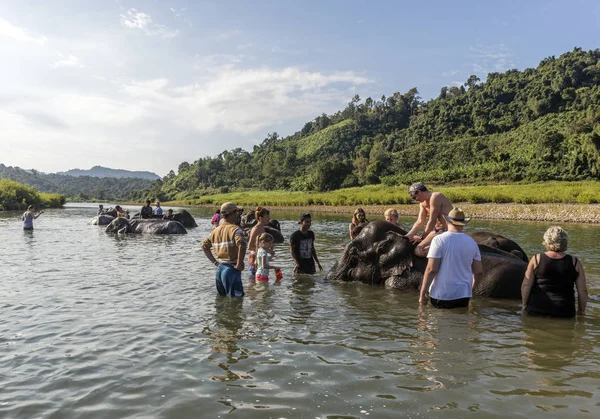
(81, 188)
(533, 125)
(17, 196)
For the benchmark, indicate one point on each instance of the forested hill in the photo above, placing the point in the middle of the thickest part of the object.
(99, 171)
(82, 187)
(538, 124)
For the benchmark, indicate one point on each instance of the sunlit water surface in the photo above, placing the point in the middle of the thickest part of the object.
(96, 325)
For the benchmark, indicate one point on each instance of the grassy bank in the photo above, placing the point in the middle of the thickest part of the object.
(537, 193)
(17, 196)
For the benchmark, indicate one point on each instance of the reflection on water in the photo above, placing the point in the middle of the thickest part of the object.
(101, 325)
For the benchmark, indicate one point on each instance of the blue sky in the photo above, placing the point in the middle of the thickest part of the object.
(145, 85)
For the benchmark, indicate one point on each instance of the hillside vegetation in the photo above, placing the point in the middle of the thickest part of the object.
(17, 196)
(538, 124)
(82, 188)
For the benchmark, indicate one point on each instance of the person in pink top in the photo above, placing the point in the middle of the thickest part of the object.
(216, 218)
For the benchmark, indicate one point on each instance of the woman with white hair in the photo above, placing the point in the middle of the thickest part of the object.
(547, 288)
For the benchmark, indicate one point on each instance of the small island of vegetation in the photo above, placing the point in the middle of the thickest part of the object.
(18, 196)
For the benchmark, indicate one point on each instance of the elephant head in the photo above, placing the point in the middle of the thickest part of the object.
(118, 225)
(379, 255)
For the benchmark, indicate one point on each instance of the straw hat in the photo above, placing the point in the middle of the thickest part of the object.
(457, 217)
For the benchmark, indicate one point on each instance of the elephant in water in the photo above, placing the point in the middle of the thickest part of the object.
(248, 221)
(123, 225)
(382, 255)
(101, 220)
(182, 216)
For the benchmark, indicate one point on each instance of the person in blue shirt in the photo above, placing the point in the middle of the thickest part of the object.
(158, 210)
(29, 216)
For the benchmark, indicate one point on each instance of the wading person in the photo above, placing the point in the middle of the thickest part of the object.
(229, 243)
(454, 266)
(391, 216)
(359, 219)
(263, 216)
(302, 247)
(547, 289)
(263, 264)
(146, 211)
(29, 216)
(434, 204)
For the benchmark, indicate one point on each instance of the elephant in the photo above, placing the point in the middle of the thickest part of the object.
(182, 216)
(101, 220)
(382, 255)
(123, 225)
(248, 221)
(498, 241)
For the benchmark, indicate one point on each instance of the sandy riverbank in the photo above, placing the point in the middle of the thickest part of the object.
(559, 213)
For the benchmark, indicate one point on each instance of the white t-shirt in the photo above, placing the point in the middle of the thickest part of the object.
(454, 278)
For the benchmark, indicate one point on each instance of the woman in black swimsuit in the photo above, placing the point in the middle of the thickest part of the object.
(547, 288)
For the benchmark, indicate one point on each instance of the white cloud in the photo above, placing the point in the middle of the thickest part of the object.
(140, 20)
(11, 31)
(450, 73)
(491, 58)
(67, 61)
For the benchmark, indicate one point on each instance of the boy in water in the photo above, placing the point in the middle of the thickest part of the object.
(302, 247)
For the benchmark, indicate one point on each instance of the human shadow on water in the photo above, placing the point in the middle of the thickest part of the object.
(301, 304)
(224, 335)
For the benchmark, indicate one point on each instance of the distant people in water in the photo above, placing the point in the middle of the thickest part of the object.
(547, 288)
(29, 216)
(216, 218)
(158, 210)
(168, 215)
(359, 219)
(100, 209)
(391, 216)
(121, 212)
(146, 211)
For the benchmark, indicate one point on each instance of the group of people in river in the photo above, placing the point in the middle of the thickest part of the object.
(453, 258)
(145, 212)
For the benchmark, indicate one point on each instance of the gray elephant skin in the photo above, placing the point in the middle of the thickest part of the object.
(382, 255)
(150, 226)
(248, 221)
(102, 220)
(182, 216)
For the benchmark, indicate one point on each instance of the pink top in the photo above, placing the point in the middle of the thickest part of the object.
(215, 219)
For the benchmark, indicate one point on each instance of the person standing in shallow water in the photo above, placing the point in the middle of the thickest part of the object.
(359, 219)
(146, 211)
(229, 242)
(263, 216)
(302, 247)
(547, 288)
(158, 210)
(453, 267)
(29, 216)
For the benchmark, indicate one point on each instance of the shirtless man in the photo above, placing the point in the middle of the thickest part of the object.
(436, 205)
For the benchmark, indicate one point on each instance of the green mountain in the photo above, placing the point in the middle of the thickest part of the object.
(81, 187)
(99, 171)
(537, 124)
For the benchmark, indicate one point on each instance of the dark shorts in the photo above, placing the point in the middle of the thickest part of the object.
(461, 302)
(229, 281)
(28, 228)
(306, 266)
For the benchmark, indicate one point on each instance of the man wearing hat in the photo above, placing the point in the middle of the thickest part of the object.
(436, 205)
(454, 266)
(230, 248)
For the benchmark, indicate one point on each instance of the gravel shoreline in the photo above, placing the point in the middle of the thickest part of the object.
(576, 213)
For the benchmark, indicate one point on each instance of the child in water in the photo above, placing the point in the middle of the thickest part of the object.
(265, 246)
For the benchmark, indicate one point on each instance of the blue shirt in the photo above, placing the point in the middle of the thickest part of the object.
(158, 211)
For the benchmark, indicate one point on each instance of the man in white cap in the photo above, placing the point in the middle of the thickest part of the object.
(230, 248)
(454, 266)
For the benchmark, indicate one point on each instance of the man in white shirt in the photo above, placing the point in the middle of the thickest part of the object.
(454, 266)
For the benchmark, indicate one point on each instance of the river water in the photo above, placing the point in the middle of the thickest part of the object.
(99, 326)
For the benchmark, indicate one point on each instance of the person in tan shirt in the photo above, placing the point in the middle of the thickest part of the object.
(230, 244)
(434, 204)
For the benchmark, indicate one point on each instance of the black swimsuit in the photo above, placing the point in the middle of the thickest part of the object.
(552, 293)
